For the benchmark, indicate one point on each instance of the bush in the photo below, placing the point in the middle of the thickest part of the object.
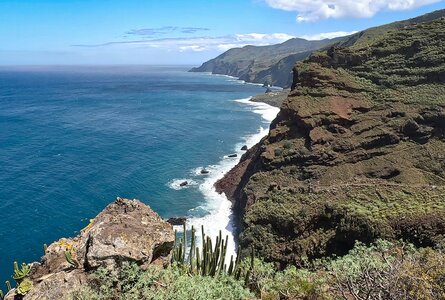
(292, 283)
(384, 270)
(278, 152)
(389, 271)
(131, 283)
(287, 145)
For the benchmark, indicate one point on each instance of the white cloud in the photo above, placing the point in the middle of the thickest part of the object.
(262, 38)
(313, 10)
(198, 44)
(219, 44)
(327, 35)
(194, 48)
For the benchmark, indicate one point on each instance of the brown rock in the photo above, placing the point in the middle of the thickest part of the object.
(55, 286)
(125, 231)
(177, 221)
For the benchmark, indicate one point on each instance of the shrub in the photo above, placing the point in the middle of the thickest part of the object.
(292, 283)
(384, 270)
(174, 282)
(287, 145)
(278, 152)
(389, 271)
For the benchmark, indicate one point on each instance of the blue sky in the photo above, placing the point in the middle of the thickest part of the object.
(177, 31)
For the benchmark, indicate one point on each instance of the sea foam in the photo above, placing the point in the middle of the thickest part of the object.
(219, 209)
(176, 183)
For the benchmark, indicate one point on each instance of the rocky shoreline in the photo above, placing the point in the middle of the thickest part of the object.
(273, 98)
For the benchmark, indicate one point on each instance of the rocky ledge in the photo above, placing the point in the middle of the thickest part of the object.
(125, 231)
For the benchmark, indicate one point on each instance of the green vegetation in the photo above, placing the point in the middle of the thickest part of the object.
(21, 276)
(370, 35)
(193, 274)
(22, 272)
(273, 64)
(24, 287)
(344, 199)
(211, 261)
(356, 153)
(390, 271)
(264, 64)
(383, 270)
(70, 259)
(175, 282)
(404, 65)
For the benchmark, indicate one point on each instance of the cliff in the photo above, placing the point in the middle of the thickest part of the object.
(356, 152)
(273, 64)
(263, 64)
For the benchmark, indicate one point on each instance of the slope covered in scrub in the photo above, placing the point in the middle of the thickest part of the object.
(356, 152)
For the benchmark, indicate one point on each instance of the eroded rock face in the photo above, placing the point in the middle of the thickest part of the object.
(351, 155)
(125, 231)
(56, 285)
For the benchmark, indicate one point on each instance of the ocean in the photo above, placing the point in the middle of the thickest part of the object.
(72, 139)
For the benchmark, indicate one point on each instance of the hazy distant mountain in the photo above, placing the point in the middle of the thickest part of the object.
(272, 64)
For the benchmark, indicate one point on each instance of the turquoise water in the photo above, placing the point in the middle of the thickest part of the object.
(74, 138)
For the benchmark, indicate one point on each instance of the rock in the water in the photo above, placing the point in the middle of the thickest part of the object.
(177, 221)
(125, 231)
(232, 155)
(184, 183)
(244, 148)
(205, 171)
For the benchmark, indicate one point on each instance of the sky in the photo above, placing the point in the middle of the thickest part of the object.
(179, 32)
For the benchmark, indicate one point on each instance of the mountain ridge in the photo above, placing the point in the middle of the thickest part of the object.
(254, 63)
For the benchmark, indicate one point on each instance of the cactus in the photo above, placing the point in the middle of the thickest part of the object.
(70, 259)
(211, 261)
(24, 287)
(8, 285)
(22, 272)
(45, 248)
(185, 243)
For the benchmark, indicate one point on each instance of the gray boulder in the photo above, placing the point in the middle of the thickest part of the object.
(125, 231)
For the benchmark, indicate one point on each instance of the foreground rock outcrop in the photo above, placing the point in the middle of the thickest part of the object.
(356, 152)
(125, 231)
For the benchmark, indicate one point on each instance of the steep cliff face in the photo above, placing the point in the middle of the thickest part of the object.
(260, 64)
(356, 152)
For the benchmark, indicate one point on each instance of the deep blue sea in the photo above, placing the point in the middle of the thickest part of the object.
(74, 138)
